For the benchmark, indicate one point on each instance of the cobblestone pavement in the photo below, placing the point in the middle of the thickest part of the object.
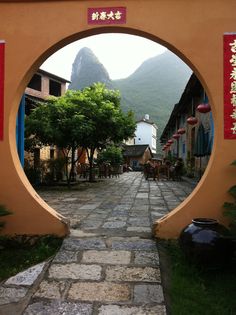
(109, 265)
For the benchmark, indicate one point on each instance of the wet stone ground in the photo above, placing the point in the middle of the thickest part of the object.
(109, 265)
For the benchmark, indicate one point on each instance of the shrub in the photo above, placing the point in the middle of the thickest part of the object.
(112, 155)
(3, 212)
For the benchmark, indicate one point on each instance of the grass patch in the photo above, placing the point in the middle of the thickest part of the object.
(20, 253)
(190, 290)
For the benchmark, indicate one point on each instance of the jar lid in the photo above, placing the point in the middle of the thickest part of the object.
(204, 221)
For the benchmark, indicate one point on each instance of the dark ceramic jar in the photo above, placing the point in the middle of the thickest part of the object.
(207, 243)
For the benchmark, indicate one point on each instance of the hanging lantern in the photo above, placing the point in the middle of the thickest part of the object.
(181, 131)
(176, 136)
(192, 120)
(204, 108)
(168, 145)
(170, 141)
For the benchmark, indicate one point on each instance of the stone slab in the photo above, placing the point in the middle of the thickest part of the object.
(146, 258)
(142, 195)
(135, 310)
(103, 291)
(134, 245)
(70, 200)
(11, 295)
(80, 233)
(90, 206)
(139, 229)
(147, 294)
(65, 256)
(120, 213)
(91, 225)
(75, 271)
(114, 225)
(147, 274)
(27, 277)
(122, 207)
(141, 221)
(58, 308)
(51, 290)
(82, 244)
(117, 218)
(107, 257)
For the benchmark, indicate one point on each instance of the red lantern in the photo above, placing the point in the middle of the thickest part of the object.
(181, 131)
(176, 136)
(168, 144)
(204, 108)
(170, 141)
(192, 120)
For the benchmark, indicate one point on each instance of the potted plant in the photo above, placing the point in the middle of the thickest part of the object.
(3, 212)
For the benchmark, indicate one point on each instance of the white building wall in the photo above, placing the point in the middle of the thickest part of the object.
(146, 134)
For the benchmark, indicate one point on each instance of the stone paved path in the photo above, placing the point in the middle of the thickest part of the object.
(109, 265)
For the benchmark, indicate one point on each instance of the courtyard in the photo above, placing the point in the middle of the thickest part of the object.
(109, 264)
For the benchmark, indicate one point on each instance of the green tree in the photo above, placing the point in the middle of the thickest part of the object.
(112, 155)
(57, 122)
(91, 119)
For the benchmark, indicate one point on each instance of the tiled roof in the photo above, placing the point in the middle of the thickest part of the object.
(135, 150)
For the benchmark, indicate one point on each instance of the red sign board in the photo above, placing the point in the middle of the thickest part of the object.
(108, 15)
(2, 62)
(230, 86)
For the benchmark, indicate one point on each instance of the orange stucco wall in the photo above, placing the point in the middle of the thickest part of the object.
(33, 30)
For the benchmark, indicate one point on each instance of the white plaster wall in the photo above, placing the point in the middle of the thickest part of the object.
(144, 135)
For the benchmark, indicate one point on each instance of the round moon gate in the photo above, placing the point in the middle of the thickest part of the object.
(33, 30)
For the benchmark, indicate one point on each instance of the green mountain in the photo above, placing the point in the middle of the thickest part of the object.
(86, 70)
(155, 87)
(152, 89)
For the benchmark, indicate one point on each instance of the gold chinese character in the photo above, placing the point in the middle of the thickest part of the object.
(95, 16)
(233, 60)
(233, 100)
(233, 46)
(103, 16)
(233, 115)
(233, 128)
(233, 74)
(118, 15)
(233, 87)
(110, 16)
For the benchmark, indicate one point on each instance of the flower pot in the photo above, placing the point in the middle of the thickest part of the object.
(207, 243)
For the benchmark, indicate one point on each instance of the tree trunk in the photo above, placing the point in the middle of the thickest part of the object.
(72, 170)
(66, 164)
(90, 158)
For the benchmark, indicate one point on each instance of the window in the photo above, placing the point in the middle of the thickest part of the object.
(135, 163)
(153, 143)
(36, 82)
(154, 132)
(54, 88)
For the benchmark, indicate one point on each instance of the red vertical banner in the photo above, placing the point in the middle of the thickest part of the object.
(230, 86)
(2, 64)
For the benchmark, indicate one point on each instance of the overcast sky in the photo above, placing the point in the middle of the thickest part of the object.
(121, 54)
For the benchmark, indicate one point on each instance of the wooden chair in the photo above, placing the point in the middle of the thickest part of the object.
(151, 172)
(164, 171)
